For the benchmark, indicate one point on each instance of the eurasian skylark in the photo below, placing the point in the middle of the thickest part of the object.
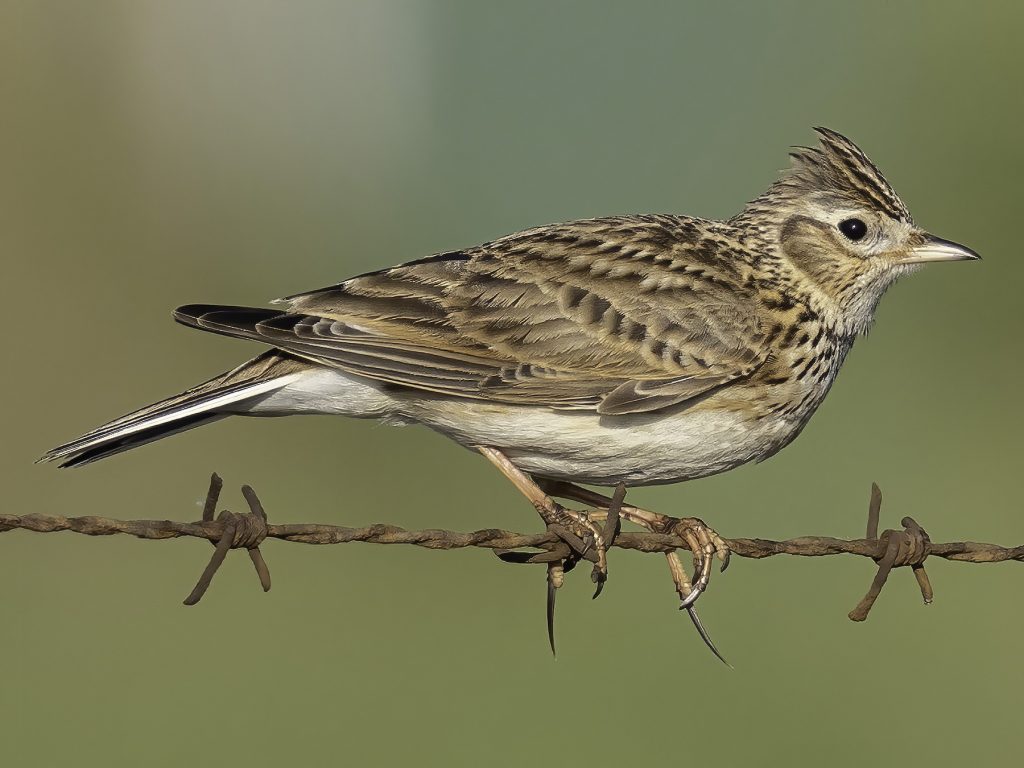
(629, 349)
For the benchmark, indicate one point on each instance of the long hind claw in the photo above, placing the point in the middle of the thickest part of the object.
(687, 597)
(556, 576)
(692, 611)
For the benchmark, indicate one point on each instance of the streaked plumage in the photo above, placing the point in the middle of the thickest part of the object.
(641, 349)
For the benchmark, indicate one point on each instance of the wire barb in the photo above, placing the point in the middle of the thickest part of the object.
(911, 546)
(246, 530)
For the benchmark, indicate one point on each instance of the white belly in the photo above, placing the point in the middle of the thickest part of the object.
(605, 450)
(570, 445)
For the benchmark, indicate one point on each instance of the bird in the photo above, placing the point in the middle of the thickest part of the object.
(620, 351)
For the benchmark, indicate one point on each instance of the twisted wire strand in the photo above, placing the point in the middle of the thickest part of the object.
(247, 530)
(488, 538)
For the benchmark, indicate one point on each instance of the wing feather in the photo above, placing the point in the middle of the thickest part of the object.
(619, 315)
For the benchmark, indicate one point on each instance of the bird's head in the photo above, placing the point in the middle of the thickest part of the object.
(841, 229)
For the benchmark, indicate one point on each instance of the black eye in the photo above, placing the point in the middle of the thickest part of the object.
(854, 229)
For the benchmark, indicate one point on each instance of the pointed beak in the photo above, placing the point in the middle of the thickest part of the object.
(936, 249)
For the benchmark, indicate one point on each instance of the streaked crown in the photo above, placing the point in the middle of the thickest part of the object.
(841, 167)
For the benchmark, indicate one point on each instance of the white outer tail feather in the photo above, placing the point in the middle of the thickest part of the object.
(162, 422)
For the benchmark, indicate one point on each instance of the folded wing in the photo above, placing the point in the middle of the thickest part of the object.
(623, 315)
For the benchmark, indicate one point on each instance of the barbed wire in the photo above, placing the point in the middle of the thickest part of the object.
(908, 547)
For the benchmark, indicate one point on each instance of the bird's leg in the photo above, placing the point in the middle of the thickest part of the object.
(582, 535)
(704, 543)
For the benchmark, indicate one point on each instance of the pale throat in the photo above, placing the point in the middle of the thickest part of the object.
(862, 298)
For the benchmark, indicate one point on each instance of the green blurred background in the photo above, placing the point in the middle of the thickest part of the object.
(158, 153)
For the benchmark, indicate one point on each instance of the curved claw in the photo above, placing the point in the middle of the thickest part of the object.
(703, 558)
(687, 602)
(612, 526)
(595, 550)
(725, 555)
(705, 636)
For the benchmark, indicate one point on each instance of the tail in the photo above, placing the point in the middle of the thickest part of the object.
(231, 392)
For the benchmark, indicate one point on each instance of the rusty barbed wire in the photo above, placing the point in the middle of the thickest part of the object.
(892, 549)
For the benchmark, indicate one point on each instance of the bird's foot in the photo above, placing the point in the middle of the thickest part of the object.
(581, 528)
(705, 544)
(588, 540)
